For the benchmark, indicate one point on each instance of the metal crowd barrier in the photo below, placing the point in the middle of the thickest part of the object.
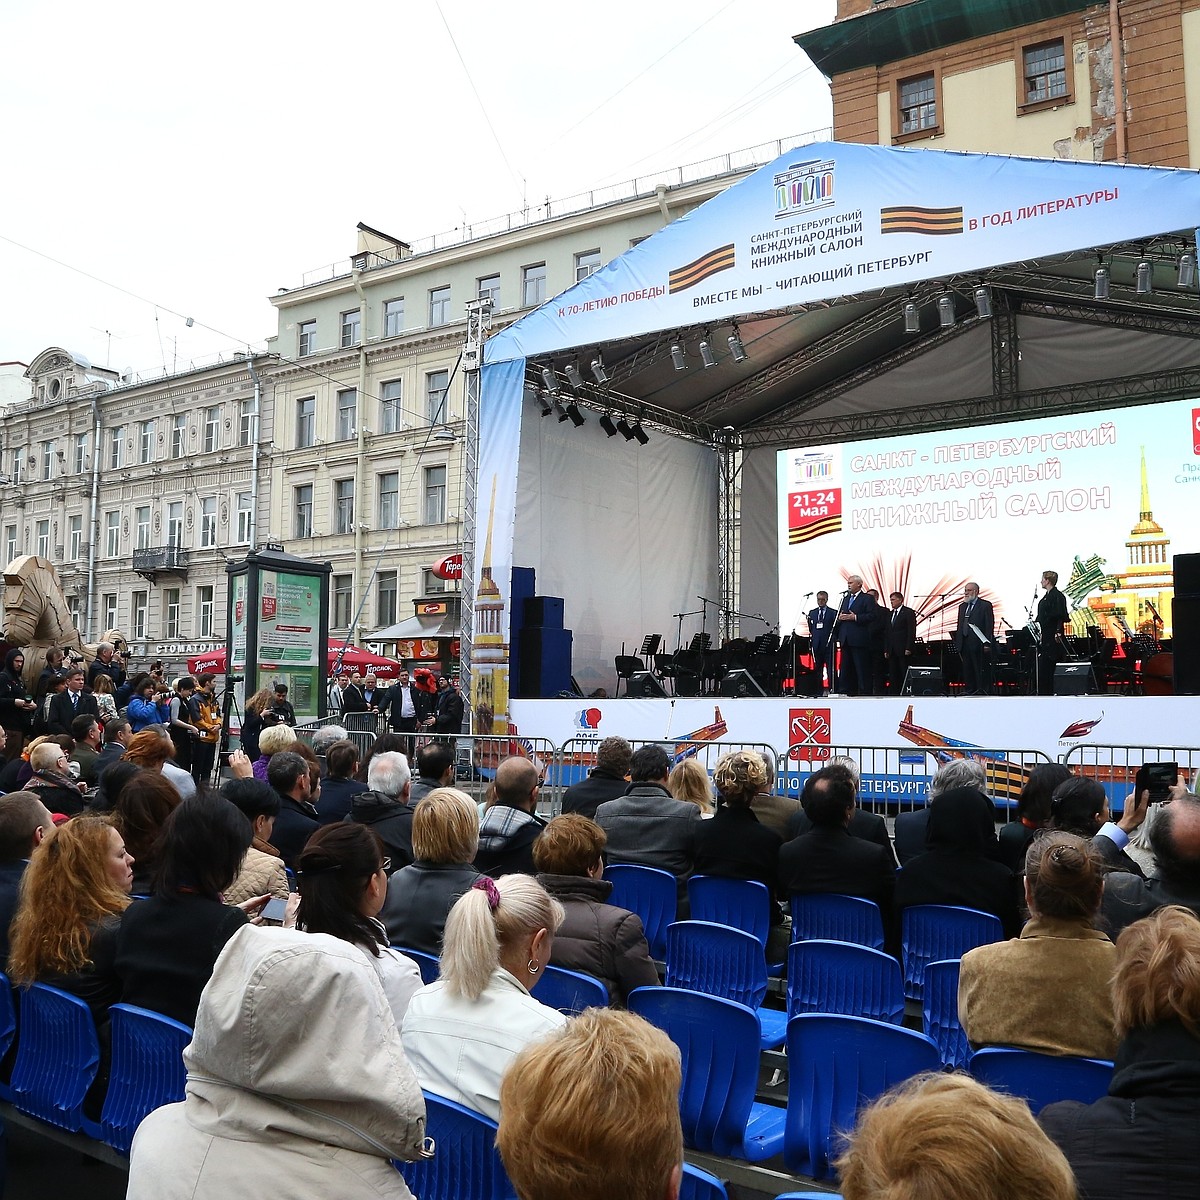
(1116, 766)
(895, 779)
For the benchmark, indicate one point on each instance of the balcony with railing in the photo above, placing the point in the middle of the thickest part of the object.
(160, 560)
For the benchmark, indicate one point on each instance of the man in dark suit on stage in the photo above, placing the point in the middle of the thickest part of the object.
(856, 614)
(820, 630)
(976, 621)
(879, 624)
(900, 639)
(1052, 615)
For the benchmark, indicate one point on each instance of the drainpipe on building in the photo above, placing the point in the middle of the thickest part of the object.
(1118, 70)
(254, 452)
(359, 425)
(93, 518)
(660, 193)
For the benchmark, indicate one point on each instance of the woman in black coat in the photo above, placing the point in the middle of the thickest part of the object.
(958, 868)
(1140, 1141)
(16, 708)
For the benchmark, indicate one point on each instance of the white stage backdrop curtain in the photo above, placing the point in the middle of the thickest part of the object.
(626, 534)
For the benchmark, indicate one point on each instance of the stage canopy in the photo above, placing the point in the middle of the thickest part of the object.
(843, 291)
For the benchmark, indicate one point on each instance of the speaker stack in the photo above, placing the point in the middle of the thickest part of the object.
(1185, 624)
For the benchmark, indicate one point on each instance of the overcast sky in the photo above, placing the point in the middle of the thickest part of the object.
(202, 158)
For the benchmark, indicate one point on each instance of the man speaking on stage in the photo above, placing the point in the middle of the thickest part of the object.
(855, 616)
(975, 637)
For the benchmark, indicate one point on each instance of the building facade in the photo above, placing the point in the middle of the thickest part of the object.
(1115, 81)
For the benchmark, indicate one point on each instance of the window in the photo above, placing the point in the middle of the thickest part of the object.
(112, 534)
(1045, 71)
(74, 538)
(79, 455)
(116, 441)
(343, 506)
(139, 608)
(245, 518)
(306, 421)
(16, 466)
(175, 523)
(141, 520)
(439, 306)
(47, 460)
(533, 284)
(433, 585)
(435, 495)
(10, 543)
(208, 522)
(488, 288)
(586, 263)
(146, 441)
(212, 429)
(393, 317)
(178, 435)
(245, 422)
(391, 401)
(308, 337)
(170, 612)
(204, 612)
(108, 603)
(73, 607)
(385, 598)
(42, 539)
(302, 511)
(351, 328)
(918, 103)
(347, 406)
(389, 500)
(342, 597)
(436, 384)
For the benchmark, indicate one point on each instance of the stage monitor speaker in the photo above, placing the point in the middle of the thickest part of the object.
(923, 681)
(1185, 641)
(545, 659)
(1074, 679)
(546, 611)
(740, 683)
(642, 684)
(1185, 569)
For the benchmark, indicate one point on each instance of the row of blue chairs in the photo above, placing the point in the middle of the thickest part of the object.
(58, 1055)
(836, 1065)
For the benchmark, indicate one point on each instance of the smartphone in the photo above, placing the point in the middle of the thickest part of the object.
(274, 910)
(1158, 778)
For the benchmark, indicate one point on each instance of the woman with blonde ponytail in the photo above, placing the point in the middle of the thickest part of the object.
(461, 1033)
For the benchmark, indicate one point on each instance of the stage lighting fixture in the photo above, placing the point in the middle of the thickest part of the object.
(983, 303)
(1145, 277)
(946, 311)
(547, 407)
(736, 348)
(598, 370)
(558, 408)
(624, 430)
(1187, 270)
(550, 380)
(577, 418)
(677, 356)
(638, 432)
(573, 376)
(912, 318)
(707, 357)
(1101, 289)
(606, 423)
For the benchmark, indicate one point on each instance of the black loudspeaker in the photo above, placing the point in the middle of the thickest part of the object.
(545, 661)
(1185, 568)
(923, 681)
(1074, 679)
(1185, 641)
(546, 611)
(740, 683)
(643, 684)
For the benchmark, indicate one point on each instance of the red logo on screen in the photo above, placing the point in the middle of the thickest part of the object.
(1196, 430)
(808, 733)
(813, 513)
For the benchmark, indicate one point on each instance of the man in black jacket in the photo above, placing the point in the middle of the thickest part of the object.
(70, 703)
(606, 781)
(511, 826)
(24, 821)
(287, 773)
(975, 637)
(1052, 616)
(855, 618)
(385, 805)
(899, 640)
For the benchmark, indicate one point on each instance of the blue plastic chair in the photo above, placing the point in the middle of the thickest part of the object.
(837, 1066)
(743, 903)
(1041, 1079)
(843, 978)
(718, 1044)
(428, 963)
(57, 1056)
(570, 991)
(700, 1185)
(810, 1196)
(837, 918)
(936, 932)
(465, 1161)
(147, 1072)
(718, 960)
(8, 1029)
(939, 1013)
(649, 892)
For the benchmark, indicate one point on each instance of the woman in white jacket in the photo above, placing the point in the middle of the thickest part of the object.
(461, 1033)
(297, 1082)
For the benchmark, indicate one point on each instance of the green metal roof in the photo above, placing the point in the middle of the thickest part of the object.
(885, 35)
